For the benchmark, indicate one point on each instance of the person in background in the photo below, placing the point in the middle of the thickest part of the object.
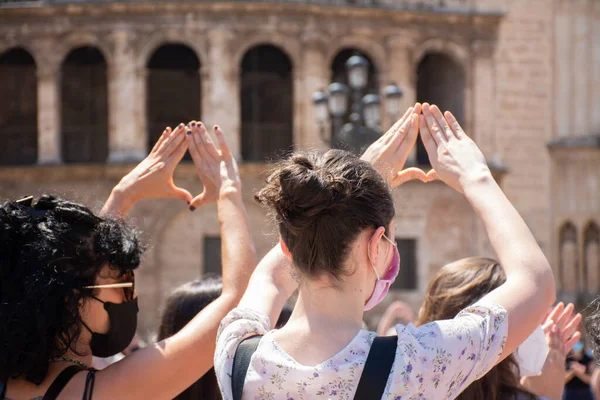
(464, 282)
(397, 312)
(580, 367)
(184, 303)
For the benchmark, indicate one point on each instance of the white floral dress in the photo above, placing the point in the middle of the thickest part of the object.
(434, 361)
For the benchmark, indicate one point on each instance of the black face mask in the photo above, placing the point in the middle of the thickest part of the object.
(123, 324)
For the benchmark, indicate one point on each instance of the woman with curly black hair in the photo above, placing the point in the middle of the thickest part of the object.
(67, 283)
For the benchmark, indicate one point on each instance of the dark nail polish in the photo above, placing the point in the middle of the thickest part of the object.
(188, 132)
(193, 124)
(192, 208)
(181, 125)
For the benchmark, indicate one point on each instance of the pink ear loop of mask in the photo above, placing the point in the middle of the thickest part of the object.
(369, 254)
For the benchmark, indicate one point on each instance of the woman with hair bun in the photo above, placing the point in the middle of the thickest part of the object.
(335, 216)
(67, 283)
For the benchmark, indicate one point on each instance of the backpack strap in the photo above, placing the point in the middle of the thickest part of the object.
(241, 362)
(377, 368)
(61, 381)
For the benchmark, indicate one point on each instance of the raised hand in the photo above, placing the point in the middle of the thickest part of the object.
(455, 157)
(216, 166)
(561, 333)
(389, 153)
(567, 323)
(153, 177)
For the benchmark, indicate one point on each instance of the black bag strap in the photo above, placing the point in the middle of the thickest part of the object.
(89, 385)
(61, 381)
(241, 362)
(377, 368)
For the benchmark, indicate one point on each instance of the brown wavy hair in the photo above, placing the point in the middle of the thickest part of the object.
(321, 202)
(455, 287)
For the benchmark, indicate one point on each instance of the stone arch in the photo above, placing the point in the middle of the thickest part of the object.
(66, 45)
(568, 257)
(165, 38)
(173, 88)
(267, 102)
(291, 47)
(375, 50)
(84, 105)
(591, 257)
(457, 52)
(441, 80)
(18, 107)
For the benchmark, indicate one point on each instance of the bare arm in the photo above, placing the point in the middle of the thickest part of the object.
(165, 369)
(529, 289)
(271, 285)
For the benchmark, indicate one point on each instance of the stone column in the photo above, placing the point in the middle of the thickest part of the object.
(221, 91)
(483, 99)
(315, 76)
(48, 109)
(402, 72)
(127, 139)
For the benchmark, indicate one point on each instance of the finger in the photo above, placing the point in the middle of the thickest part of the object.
(395, 141)
(174, 143)
(571, 342)
(409, 174)
(410, 139)
(556, 312)
(180, 193)
(197, 134)
(437, 114)
(224, 172)
(225, 152)
(432, 175)
(207, 142)
(547, 326)
(161, 139)
(396, 127)
(571, 327)
(455, 126)
(434, 128)
(177, 131)
(193, 149)
(179, 152)
(565, 316)
(198, 201)
(428, 140)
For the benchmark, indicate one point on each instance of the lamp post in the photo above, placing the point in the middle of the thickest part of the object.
(363, 126)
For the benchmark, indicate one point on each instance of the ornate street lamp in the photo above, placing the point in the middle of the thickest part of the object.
(363, 126)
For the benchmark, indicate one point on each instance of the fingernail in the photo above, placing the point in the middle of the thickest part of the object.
(217, 127)
(188, 132)
(193, 124)
(181, 125)
(192, 208)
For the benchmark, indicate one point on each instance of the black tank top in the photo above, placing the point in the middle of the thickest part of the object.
(60, 382)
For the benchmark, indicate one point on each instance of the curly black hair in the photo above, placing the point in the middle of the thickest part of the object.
(592, 326)
(49, 251)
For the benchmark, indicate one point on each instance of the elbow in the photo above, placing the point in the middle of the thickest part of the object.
(548, 283)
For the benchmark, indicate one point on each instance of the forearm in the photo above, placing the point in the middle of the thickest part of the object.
(271, 285)
(118, 204)
(167, 368)
(513, 242)
(237, 249)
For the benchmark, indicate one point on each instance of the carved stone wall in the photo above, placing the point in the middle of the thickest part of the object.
(511, 108)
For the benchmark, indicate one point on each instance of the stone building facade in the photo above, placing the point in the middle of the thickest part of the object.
(88, 85)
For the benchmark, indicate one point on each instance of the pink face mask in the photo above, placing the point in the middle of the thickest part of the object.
(382, 285)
